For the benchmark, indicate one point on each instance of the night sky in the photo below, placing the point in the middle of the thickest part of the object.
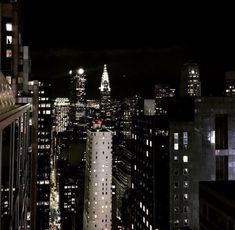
(141, 44)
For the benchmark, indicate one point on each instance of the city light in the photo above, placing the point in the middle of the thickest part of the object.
(80, 71)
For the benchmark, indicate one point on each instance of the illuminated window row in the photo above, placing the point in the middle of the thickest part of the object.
(176, 140)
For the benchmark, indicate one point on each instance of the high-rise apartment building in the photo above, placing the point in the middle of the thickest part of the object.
(190, 84)
(105, 95)
(98, 179)
(15, 157)
(44, 134)
(11, 61)
(150, 173)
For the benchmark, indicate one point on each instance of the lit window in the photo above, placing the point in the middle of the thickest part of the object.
(185, 159)
(134, 167)
(185, 140)
(8, 26)
(8, 53)
(176, 210)
(176, 185)
(185, 196)
(175, 158)
(176, 197)
(140, 204)
(147, 153)
(185, 221)
(9, 39)
(185, 184)
(185, 171)
(176, 141)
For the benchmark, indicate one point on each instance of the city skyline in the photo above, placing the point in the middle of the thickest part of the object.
(158, 44)
(119, 117)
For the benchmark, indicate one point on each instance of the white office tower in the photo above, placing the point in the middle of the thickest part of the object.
(98, 181)
(61, 114)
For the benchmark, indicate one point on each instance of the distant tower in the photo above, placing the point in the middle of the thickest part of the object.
(162, 91)
(61, 114)
(98, 179)
(105, 91)
(77, 95)
(190, 80)
(230, 83)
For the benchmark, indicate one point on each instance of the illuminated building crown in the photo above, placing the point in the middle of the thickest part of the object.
(105, 86)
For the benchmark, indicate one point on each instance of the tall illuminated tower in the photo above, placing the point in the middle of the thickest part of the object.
(98, 179)
(77, 95)
(105, 93)
(190, 80)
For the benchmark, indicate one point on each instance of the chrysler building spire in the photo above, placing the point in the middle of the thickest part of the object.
(105, 86)
(105, 92)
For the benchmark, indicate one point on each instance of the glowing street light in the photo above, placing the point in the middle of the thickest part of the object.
(70, 72)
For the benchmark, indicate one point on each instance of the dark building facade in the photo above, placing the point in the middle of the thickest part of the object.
(201, 149)
(12, 51)
(15, 162)
(44, 154)
(150, 173)
(217, 205)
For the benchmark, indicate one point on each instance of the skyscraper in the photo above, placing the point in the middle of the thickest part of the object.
(230, 83)
(77, 95)
(201, 149)
(11, 61)
(44, 131)
(15, 155)
(98, 179)
(105, 95)
(149, 173)
(61, 113)
(161, 91)
(190, 84)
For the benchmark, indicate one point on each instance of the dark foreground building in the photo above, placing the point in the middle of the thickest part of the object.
(15, 161)
(217, 205)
